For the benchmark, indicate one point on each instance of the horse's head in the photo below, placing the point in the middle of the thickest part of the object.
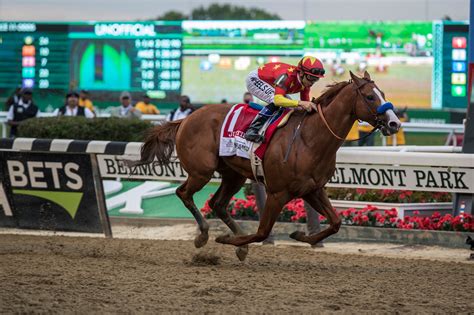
(371, 106)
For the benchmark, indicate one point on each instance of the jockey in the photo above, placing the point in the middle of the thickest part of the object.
(273, 82)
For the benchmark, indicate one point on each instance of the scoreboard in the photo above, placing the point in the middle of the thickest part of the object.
(127, 56)
(450, 69)
(99, 57)
(34, 55)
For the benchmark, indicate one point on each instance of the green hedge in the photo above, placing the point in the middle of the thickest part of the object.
(80, 128)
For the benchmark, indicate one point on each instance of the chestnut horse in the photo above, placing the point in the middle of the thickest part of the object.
(310, 164)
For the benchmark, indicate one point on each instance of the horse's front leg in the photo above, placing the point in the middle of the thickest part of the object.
(273, 206)
(320, 202)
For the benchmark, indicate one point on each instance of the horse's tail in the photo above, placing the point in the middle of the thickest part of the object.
(159, 143)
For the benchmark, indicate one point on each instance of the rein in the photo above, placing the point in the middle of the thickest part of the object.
(378, 121)
(380, 110)
(320, 111)
(295, 134)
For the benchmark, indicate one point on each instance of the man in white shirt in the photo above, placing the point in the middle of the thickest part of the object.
(21, 109)
(72, 107)
(184, 110)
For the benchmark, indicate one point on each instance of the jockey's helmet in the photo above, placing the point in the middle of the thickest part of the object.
(312, 66)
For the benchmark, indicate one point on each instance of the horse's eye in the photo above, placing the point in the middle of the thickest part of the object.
(370, 97)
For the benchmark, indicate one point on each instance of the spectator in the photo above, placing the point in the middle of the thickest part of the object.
(126, 110)
(456, 139)
(184, 110)
(313, 225)
(224, 101)
(13, 99)
(258, 189)
(72, 108)
(364, 130)
(145, 107)
(352, 135)
(85, 101)
(248, 97)
(22, 109)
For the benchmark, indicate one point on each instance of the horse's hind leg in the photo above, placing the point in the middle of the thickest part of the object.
(320, 202)
(185, 192)
(231, 183)
(273, 207)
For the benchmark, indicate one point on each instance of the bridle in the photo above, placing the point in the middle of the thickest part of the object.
(378, 122)
(380, 110)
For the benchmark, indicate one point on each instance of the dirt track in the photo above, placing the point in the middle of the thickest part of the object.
(57, 274)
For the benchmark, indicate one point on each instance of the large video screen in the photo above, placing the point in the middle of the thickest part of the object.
(214, 36)
(398, 55)
(213, 78)
(417, 64)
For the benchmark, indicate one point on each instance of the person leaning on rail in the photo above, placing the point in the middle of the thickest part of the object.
(72, 108)
(23, 108)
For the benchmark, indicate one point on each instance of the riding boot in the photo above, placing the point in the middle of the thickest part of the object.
(252, 133)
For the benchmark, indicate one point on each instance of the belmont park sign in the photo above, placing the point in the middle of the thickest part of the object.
(423, 178)
(419, 178)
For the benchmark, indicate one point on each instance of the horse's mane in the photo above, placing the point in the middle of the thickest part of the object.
(330, 93)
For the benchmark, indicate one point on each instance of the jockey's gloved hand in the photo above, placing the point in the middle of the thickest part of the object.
(308, 106)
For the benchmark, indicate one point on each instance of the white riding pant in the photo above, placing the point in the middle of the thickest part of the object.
(259, 88)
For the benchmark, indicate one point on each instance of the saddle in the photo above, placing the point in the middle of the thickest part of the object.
(236, 123)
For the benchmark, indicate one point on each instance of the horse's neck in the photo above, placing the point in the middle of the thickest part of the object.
(339, 116)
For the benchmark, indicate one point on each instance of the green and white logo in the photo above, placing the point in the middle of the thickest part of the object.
(31, 178)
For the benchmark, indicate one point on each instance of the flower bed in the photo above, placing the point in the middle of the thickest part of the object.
(387, 195)
(246, 209)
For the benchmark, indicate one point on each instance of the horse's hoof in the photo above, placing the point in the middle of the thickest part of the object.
(242, 252)
(201, 240)
(298, 236)
(223, 239)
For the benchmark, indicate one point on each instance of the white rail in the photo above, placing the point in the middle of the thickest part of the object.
(407, 148)
(450, 129)
(407, 158)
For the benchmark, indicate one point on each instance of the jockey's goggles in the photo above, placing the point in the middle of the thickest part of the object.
(315, 72)
(312, 78)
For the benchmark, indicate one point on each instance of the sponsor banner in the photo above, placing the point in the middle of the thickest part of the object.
(6, 214)
(51, 191)
(111, 166)
(446, 179)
